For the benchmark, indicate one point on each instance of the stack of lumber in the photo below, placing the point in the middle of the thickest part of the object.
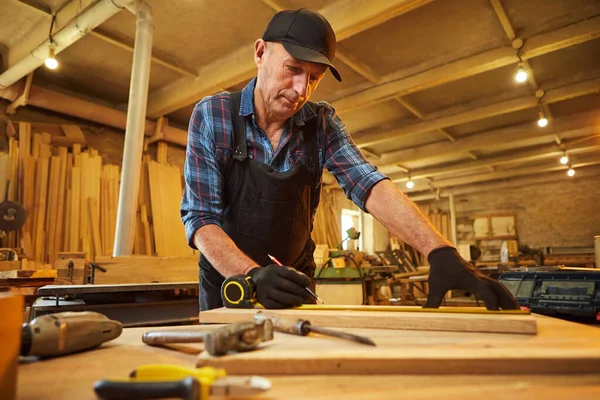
(440, 220)
(71, 197)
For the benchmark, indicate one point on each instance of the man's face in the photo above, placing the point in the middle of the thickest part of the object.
(285, 83)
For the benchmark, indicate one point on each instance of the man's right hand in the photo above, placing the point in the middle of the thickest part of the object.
(279, 286)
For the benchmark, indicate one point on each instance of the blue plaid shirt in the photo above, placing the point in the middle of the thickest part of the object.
(210, 148)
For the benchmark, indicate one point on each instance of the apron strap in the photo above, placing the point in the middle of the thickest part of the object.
(310, 140)
(239, 126)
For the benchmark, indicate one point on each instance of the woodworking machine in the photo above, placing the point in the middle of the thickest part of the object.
(553, 291)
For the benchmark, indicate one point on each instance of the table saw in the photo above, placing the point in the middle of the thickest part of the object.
(130, 304)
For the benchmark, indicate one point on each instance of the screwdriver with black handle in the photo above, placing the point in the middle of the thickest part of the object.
(303, 327)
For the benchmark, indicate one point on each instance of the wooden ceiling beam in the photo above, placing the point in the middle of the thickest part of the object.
(503, 17)
(574, 147)
(510, 33)
(516, 182)
(347, 17)
(413, 110)
(513, 172)
(173, 66)
(578, 124)
(395, 85)
(372, 137)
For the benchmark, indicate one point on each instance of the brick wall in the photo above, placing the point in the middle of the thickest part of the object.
(562, 213)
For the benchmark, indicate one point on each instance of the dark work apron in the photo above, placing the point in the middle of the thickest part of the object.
(266, 212)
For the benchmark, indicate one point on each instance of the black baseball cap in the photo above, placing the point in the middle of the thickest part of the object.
(306, 35)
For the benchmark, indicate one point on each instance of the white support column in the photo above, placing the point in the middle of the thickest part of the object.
(134, 132)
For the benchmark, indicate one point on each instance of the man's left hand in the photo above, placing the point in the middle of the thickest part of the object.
(449, 271)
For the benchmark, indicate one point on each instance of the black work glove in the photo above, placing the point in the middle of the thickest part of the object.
(279, 286)
(449, 271)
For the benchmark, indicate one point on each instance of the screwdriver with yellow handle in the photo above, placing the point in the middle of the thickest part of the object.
(173, 381)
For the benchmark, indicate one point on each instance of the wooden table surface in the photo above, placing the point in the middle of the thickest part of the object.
(73, 376)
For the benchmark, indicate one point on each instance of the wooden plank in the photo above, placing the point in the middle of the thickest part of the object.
(5, 172)
(52, 210)
(43, 273)
(37, 380)
(436, 321)
(146, 231)
(118, 288)
(28, 193)
(104, 208)
(166, 191)
(46, 138)
(24, 153)
(24, 140)
(434, 353)
(157, 207)
(446, 227)
(10, 129)
(294, 356)
(76, 150)
(73, 133)
(60, 211)
(147, 269)
(13, 189)
(161, 153)
(94, 228)
(10, 265)
(40, 208)
(35, 145)
(13, 153)
(84, 193)
(74, 243)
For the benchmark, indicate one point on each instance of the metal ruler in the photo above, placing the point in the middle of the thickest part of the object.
(460, 310)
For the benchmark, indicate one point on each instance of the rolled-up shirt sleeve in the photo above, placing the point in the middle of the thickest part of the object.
(353, 172)
(203, 172)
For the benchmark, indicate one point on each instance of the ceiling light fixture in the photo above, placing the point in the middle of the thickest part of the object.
(571, 172)
(543, 121)
(410, 184)
(564, 160)
(51, 62)
(521, 75)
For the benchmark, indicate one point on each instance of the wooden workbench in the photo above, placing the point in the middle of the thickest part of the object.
(72, 377)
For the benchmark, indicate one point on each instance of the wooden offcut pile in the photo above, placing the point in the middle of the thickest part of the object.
(71, 197)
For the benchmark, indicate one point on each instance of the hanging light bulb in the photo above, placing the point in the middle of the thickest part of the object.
(521, 75)
(542, 122)
(410, 184)
(571, 172)
(564, 160)
(51, 62)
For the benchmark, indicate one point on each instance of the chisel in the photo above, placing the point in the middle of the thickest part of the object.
(303, 327)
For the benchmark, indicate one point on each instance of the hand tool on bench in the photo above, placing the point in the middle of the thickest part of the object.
(238, 336)
(159, 381)
(67, 332)
(303, 327)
